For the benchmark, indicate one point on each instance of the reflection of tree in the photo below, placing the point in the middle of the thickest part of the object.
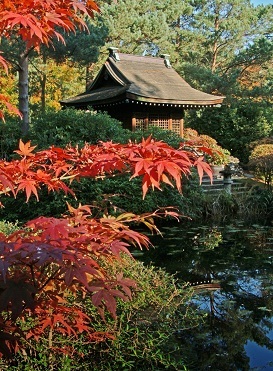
(237, 314)
(240, 311)
(219, 344)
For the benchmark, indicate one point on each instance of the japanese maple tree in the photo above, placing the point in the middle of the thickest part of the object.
(36, 22)
(49, 260)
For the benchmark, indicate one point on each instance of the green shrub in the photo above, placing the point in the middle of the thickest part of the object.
(124, 195)
(220, 206)
(10, 133)
(258, 205)
(60, 128)
(50, 204)
(157, 133)
(73, 126)
(7, 227)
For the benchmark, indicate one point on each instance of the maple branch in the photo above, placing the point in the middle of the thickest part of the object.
(33, 275)
(53, 275)
(109, 176)
(50, 343)
(29, 344)
(66, 177)
(36, 68)
(5, 192)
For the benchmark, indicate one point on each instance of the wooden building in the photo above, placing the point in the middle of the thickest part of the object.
(141, 92)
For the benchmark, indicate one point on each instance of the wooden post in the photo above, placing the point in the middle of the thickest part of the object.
(146, 125)
(134, 122)
(182, 128)
(170, 124)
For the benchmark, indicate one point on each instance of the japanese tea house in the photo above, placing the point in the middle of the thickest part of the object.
(141, 92)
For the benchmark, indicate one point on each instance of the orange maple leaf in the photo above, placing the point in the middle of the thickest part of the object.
(29, 186)
(25, 149)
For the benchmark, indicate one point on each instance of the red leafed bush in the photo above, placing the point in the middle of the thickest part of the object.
(50, 259)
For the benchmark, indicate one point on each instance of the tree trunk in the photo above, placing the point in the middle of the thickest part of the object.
(215, 43)
(23, 92)
(43, 82)
(89, 75)
(43, 93)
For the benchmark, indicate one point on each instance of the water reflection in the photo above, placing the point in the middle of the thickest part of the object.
(238, 331)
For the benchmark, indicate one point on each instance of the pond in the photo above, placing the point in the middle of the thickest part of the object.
(231, 270)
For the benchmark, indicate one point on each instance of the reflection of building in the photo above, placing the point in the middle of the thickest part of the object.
(141, 92)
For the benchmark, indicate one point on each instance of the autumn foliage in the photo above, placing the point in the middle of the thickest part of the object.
(37, 22)
(49, 258)
(156, 162)
(261, 160)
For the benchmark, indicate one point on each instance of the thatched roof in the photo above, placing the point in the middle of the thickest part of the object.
(141, 79)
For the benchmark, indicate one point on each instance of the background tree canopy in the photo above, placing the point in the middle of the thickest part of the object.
(219, 46)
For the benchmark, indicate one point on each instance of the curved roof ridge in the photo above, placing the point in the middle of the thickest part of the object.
(144, 78)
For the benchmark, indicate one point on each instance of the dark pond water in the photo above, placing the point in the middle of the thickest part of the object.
(232, 269)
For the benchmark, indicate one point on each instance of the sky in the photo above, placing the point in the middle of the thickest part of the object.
(261, 2)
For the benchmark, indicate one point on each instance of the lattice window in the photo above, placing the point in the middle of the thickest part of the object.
(176, 126)
(159, 121)
(140, 123)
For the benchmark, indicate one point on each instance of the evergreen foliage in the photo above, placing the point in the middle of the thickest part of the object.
(70, 126)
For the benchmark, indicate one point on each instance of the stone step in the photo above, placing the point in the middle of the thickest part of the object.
(234, 184)
(238, 185)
